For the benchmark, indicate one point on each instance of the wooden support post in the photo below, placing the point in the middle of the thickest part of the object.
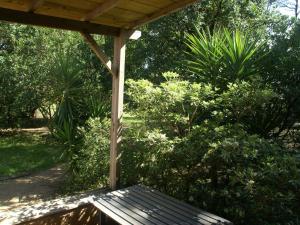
(102, 219)
(97, 50)
(118, 69)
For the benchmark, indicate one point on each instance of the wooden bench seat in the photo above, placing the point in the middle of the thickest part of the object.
(143, 205)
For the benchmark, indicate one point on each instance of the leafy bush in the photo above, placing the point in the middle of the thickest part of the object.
(193, 144)
(90, 159)
(221, 169)
(247, 103)
(223, 57)
(173, 106)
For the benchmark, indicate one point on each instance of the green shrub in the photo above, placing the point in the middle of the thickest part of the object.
(193, 144)
(219, 168)
(90, 159)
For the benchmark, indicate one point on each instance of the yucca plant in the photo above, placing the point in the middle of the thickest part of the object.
(222, 57)
(98, 106)
(68, 93)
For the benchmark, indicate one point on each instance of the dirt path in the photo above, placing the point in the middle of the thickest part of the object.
(39, 186)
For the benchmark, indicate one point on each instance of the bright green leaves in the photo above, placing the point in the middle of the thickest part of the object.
(176, 104)
(223, 56)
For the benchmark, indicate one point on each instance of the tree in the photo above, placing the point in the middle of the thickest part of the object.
(161, 47)
(282, 71)
(291, 5)
(23, 67)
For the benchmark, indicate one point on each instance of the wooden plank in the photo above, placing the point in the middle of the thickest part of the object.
(109, 21)
(136, 6)
(117, 107)
(182, 205)
(153, 210)
(34, 5)
(107, 209)
(124, 14)
(176, 209)
(102, 218)
(61, 11)
(148, 206)
(79, 4)
(101, 9)
(134, 213)
(97, 50)
(173, 212)
(117, 213)
(163, 12)
(54, 22)
(126, 203)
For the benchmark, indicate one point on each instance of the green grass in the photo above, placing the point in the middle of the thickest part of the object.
(27, 152)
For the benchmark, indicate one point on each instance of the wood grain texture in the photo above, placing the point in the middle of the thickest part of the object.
(118, 69)
(143, 205)
(97, 50)
(34, 5)
(101, 9)
(53, 22)
(126, 14)
(173, 7)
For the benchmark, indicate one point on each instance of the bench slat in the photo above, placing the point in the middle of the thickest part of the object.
(172, 211)
(142, 205)
(184, 206)
(154, 208)
(156, 216)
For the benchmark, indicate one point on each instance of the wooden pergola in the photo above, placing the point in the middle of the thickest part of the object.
(117, 18)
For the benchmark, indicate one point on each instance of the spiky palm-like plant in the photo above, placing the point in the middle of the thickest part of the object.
(222, 57)
(68, 91)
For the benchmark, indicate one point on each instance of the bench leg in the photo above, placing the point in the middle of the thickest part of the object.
(102, 218)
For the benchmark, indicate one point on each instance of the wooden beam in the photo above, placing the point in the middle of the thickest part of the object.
(173, 7)
(117, 107)
(55, 22)
(101, 9)
(34, 5)
(97, 50)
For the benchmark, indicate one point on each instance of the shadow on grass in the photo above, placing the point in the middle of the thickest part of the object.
(23, 153)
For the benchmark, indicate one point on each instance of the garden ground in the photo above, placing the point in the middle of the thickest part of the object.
(36, 187)
(31, 167)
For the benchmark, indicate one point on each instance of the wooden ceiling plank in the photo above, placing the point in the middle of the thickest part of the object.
(80, 4)
(163, 12)
(20, 5)
(136, 6)
(101, 9)
(62, 11)
(54, 22)
(34, 5)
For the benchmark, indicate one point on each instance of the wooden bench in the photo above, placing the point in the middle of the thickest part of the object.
(143, 205)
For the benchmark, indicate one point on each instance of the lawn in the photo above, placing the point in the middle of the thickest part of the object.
(25, 152)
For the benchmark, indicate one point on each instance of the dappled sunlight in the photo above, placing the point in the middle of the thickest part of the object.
(56, 211)
(41, 185)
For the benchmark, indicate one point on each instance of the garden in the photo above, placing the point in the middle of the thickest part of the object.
(212, 108)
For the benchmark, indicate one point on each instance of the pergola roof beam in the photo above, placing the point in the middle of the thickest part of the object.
(97, 50)
(34, 5)
(101, 9)
(55, 22)
(173, 7)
